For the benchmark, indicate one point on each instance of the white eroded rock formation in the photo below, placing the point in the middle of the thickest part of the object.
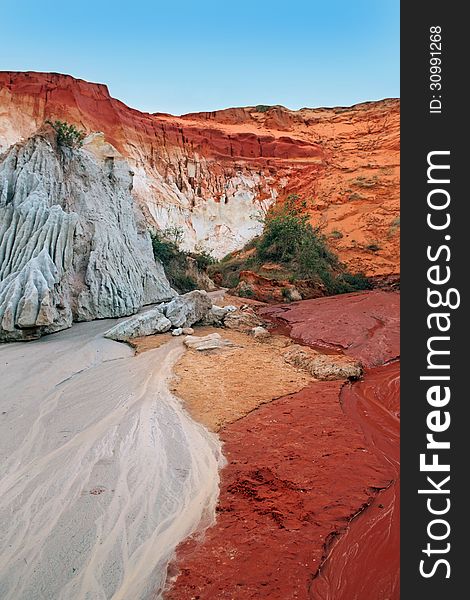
(73, 244)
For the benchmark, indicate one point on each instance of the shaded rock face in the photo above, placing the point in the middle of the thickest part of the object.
(73, 245)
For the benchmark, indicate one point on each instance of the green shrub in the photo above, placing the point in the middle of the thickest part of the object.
(284, 228)
(227, 257)
(68, 134)
(285, 293)
(262, 108)
(183, 283)
(301, 251)
(290, 240)
(203, 259)
(336, 235)
(166, 249)
(253, 242)
(231, 280)
(246, 292)
(347, 282)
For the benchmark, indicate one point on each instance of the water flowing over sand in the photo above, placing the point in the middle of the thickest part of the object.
(102, 472)
(364, 562)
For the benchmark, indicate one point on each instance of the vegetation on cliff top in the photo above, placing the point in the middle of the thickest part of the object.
(298, 249)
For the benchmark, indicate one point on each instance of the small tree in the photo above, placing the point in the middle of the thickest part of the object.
(67, 134)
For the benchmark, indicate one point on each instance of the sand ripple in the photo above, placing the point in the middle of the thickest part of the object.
(103, 472)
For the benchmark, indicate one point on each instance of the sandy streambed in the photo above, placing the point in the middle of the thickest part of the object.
(223, 386)
(102, 471)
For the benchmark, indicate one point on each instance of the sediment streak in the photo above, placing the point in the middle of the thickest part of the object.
(103, 472)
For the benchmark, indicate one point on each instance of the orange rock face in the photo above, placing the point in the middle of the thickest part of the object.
(211, 172)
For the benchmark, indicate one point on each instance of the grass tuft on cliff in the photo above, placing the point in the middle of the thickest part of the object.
(299, 252)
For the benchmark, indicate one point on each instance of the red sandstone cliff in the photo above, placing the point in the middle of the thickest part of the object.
(211, 173)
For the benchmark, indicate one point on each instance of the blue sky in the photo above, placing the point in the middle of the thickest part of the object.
(183, 56)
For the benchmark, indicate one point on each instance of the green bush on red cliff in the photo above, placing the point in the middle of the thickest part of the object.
(262, 108)
(299, 250)
(67, 134)
(289, 239)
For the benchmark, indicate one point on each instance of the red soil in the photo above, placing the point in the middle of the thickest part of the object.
(298, 471)
(300, 468)
(365, 326)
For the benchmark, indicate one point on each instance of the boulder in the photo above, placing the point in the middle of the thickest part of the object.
(242, 320)
(148, 323)
(213, 341)
(219, 311)
(323, 366)
(217, 314)
(293, 295)
(177, 331)
(260, 333)
(185, 310)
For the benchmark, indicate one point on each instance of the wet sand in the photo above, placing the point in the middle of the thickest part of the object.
(364, 325)
(103, 473)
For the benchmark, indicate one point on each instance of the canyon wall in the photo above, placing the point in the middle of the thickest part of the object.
(215, 174)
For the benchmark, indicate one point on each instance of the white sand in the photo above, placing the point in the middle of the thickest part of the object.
(102, 471)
